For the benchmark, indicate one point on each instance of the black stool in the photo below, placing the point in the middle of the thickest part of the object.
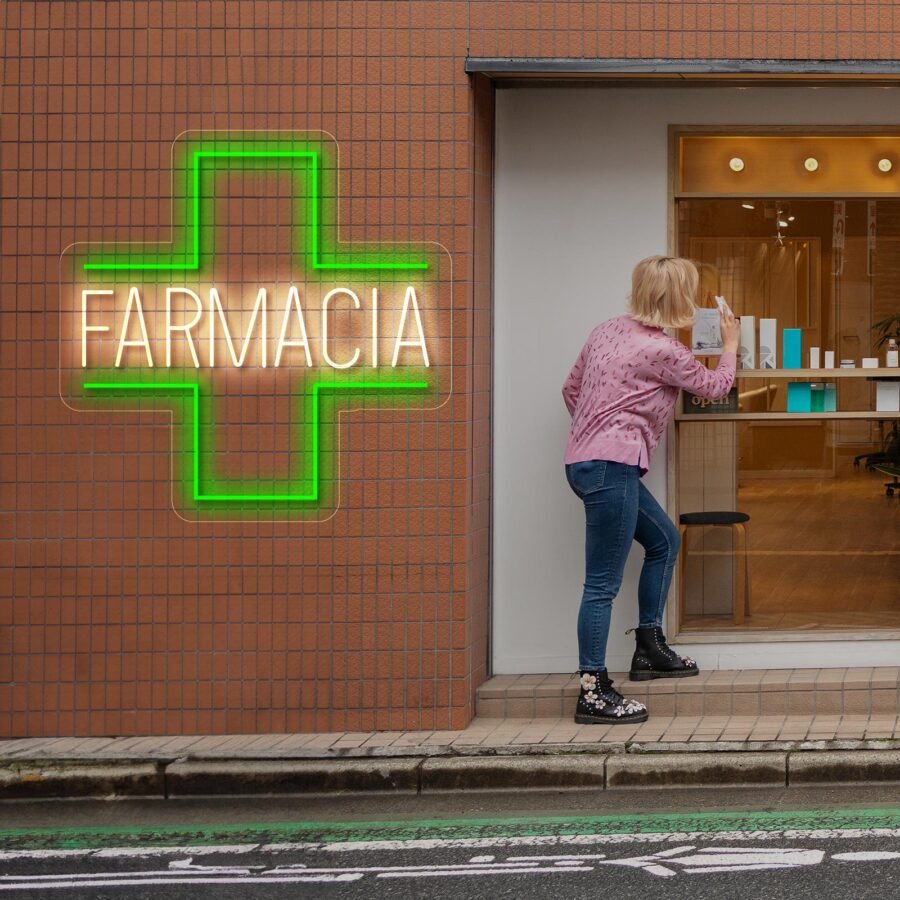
(735, 521)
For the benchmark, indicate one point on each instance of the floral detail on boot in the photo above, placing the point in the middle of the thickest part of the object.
(599, 702)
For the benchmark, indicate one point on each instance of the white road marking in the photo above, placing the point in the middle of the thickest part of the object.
(443, 872)
(684, 858)
(589, 839)
(129, 852)
(106, 882)
(668, 863)
(866, 856)
(167, 851)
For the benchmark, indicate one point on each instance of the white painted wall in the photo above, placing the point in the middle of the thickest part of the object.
(580, 197)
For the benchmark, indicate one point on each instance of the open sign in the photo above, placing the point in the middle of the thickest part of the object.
(691, 404)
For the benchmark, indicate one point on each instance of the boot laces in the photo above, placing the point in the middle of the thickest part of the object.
(665, 648)
(609, 693)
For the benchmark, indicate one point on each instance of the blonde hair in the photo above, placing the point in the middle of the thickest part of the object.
(664, 291)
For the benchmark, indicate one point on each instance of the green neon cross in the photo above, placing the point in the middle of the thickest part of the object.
(193, 202)
(192, 388)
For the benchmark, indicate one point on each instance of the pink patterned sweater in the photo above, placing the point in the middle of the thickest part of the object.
(623, 386)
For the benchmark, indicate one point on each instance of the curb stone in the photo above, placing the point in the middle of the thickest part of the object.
(34, 780)
(842, 767)
(211, 778)
(697, 770)
(603, 767)
(519, 772)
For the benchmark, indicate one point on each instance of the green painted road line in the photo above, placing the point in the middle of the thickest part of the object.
(447, 829)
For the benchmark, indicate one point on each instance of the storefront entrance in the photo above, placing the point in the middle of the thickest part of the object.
(584, 189)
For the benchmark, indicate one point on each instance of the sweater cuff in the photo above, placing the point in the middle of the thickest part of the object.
(728, 357)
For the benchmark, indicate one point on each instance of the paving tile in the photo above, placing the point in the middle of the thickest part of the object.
(520, 707)
(886, 677)
(491, 691)
(488, 706)
(829, 702)
(663, 705)
(549, 690)
(748, 704)
(590, 733)
(858, 678)
(830, 678)
(801, 703)
(559, 736)
(884, 700)
(803, 678)
(548, 706)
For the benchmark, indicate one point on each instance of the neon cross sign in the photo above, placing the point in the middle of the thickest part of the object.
(416, 328)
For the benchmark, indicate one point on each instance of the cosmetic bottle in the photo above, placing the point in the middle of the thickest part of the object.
(891, 357)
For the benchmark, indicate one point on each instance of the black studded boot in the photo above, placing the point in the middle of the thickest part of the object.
(654, 658)
(599, 703)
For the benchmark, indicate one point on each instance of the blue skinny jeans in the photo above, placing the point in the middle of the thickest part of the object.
(619, 510)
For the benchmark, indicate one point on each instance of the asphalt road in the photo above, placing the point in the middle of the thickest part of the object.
(778, 844)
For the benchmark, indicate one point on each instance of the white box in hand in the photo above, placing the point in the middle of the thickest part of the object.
(748, 342)
(768, 343)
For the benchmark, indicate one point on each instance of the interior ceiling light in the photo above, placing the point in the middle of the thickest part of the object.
(885, 165)
(810, 164)
(748, 205)
(791, 218)
(782, 223)
(736, 164)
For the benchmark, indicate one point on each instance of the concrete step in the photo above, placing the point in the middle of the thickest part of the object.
(762, 692)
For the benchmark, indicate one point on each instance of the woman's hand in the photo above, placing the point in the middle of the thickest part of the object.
(731, 331)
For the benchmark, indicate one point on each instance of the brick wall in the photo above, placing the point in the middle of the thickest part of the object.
(117, 616)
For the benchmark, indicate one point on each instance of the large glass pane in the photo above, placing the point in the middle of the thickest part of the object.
(823, 538)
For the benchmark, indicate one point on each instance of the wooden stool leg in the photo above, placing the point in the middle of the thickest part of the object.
(740, 573)
(746, 572)
(682, 553)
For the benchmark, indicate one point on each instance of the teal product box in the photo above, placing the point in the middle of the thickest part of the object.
(791, 348)
(799, 398)
(830, 398)
(817, 397)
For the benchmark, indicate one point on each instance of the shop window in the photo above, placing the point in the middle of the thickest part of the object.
(824, 530)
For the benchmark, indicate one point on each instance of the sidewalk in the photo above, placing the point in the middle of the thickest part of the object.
(492, 753)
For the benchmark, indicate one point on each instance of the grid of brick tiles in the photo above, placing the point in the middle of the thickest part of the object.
(115, 615)
(717, 29)
(790, 692)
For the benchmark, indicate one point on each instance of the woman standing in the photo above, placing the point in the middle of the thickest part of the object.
(621, 393)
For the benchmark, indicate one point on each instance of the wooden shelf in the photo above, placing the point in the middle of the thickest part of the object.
(817, 374)
(732, 417)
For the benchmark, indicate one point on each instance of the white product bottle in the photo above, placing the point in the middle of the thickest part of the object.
(748, 342)
(892, 355)
(768, 343)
